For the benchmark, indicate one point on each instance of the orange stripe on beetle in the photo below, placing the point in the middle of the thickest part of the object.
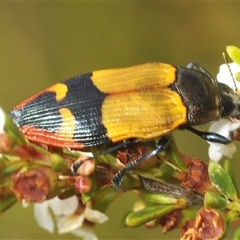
(147, 118)
(137, 78)
(60, 89)
(63, 137)
(45, 137)
(67, 126)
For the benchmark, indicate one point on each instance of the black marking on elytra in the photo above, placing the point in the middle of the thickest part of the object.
(83, 99)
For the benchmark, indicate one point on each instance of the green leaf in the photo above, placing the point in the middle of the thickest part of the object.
(222, 181)
(13, 132)
(166, 171)
(236, 234)
(237, 76)
(59, 164)
(213, 200)
(7, 202)
(234, 53)
(136, 219)
(174, 155)
(228, 168)
(158, 198)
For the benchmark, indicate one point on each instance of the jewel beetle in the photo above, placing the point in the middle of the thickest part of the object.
(145, 101)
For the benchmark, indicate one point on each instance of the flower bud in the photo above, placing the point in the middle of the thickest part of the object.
(5, 143)
(197, 177)
(208, 224)
(84, 166)
(34, 185)
(83, 184)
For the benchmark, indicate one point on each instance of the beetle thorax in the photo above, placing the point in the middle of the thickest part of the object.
(200, 94)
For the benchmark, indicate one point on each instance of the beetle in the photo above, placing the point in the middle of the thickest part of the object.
(145, 102)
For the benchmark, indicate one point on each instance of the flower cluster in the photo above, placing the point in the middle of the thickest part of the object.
(228, 75)
(71, 216)
(72, 189)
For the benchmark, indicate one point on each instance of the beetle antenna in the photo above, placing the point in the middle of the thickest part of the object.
(227, 63)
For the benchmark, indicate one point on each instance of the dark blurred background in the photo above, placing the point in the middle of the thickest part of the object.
(44, 43)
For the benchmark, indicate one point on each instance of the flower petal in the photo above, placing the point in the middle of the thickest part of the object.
(63, 207)
(217, 150)
(222, 127)
(85, 233)
(224, 75)
(214, 152)
(69, 223)
(95, 216)
(25, 204)
(43, 216)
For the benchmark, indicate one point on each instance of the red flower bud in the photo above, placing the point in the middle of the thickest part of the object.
(35, 184)
(83, 184)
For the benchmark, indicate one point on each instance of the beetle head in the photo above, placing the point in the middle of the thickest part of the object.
(230, 101)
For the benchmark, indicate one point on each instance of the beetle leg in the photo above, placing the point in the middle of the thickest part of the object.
(211, 136)
(162, 144)
(123, 144)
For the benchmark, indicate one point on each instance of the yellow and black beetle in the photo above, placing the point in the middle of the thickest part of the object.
(146, 101)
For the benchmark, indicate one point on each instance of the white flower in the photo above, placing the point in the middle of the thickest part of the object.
(225, 126)
(85, 233)
(224, 75)
(2, 120)
(222, 127)
(67, 218)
